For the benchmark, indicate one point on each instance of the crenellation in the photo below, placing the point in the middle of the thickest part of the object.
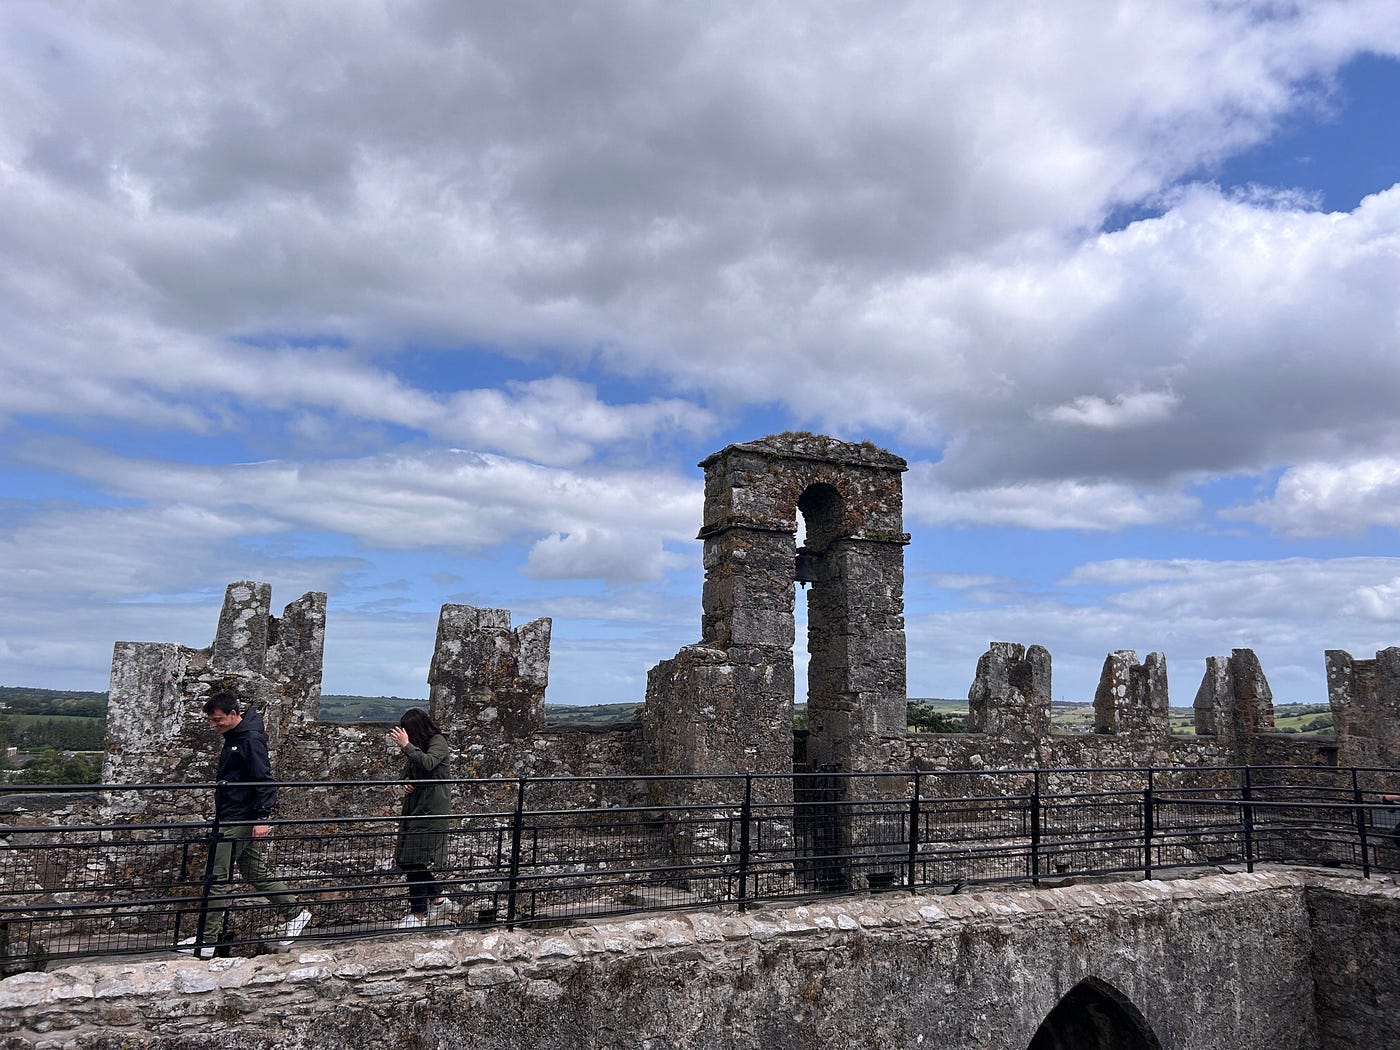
(1132, 697)
(156, 731)
(1365, 700)
(487, 683)
(240, 643)
(1234, 703)
(1010, 695)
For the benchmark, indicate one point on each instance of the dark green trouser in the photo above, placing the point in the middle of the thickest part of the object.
(237, 846)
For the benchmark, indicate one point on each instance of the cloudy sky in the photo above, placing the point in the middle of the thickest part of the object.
(433, 302)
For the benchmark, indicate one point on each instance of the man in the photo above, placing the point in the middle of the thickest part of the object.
(241, 809)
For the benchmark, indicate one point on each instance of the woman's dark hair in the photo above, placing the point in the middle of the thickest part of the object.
(419, 727)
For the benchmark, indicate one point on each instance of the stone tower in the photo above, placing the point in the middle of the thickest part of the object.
(724, 705)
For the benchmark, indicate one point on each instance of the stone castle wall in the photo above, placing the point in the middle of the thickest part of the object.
(487, 689)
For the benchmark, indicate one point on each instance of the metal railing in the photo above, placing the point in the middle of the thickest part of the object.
(528, 851)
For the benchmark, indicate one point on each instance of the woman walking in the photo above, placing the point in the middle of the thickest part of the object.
(427, 801)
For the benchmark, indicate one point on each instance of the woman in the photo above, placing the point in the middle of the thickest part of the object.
(427, 801)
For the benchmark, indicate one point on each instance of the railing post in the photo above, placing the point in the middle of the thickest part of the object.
(1035, 828)
(745, 815)
(913, 832)
(1361, 825)
(1147, 826)
(1247, 791)
(517, 828)
(199, 930)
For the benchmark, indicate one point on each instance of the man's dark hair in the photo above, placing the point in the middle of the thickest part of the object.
(225, 703)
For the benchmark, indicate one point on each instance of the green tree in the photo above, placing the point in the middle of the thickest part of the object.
(923, 718)
(64, 733)
(54, 767)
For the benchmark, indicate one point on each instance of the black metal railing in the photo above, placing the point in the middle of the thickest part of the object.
(89, 873)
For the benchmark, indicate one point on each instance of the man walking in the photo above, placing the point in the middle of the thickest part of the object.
(240, 808)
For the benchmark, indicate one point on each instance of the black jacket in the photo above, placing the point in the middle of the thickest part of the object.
(244, 757)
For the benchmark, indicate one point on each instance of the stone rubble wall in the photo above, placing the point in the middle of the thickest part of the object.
(1276, 960)
(1010, 697)
(487, 689)
(487, 686)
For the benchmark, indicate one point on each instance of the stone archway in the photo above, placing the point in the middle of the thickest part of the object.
(1094, 1015)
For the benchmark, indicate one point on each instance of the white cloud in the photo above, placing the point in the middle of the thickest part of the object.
(450, 500)
(1125, 410)
(739, 201)
(609, 554)
(560, 420)
(1316, 499)
(1068, 504)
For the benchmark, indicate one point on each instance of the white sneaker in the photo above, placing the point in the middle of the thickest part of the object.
(439, 908)
(294, 926)
(187, 946)
(410, 922)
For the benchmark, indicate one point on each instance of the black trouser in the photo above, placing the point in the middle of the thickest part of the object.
(422, 887)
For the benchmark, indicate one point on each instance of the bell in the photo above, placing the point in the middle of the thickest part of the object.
(806, 568)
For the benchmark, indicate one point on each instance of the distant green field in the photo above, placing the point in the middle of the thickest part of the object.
(66, 721)
(1288, 718)
(594, 715)
(26, 700)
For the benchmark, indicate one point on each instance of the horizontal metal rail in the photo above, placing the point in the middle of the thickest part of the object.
(107, 879)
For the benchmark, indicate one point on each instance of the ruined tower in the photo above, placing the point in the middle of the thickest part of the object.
(724, 705)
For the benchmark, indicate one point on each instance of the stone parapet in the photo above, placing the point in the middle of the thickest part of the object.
(1234, 702)
(1010, 695)
(1252, 962)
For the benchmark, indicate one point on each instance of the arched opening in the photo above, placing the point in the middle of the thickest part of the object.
(823, 516)
(1094, 1015)
(821, 677)
(823, 513)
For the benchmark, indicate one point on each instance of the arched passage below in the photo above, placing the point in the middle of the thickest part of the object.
(1094, 1015)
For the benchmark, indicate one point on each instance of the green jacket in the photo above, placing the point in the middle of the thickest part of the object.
(423, 841)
